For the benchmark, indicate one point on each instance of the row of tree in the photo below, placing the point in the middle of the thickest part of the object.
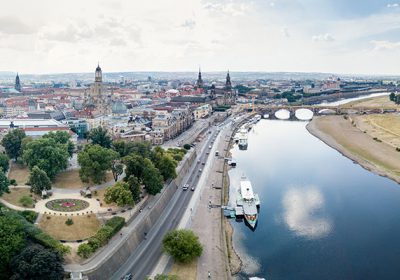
(395, 98)
(21, 257)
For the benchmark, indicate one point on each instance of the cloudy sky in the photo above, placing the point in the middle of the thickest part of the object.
(341, 36)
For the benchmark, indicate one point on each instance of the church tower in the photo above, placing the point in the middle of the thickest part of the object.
(229, 95)
(199, 80)
(98, 81)
(228, 84)
(17, 83)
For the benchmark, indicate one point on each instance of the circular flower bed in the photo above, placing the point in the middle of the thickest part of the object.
(67, 205)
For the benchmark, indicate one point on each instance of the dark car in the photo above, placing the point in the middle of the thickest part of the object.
(127, 277)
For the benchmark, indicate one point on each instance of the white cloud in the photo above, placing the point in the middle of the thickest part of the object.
(300, 207)
(327, 37)
(14, 26)
(285, 32)
(189, 23)
(230, 8)
(385, 45)
(394, 5)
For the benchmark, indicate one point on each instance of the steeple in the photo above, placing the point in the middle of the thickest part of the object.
(98, 76)
(228, 84)
(17, 83)
(199, 80)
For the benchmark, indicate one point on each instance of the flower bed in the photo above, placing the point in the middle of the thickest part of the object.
(67, 205)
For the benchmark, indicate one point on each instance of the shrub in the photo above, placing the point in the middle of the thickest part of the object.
(69, 222)
(398, 149)
(26, 201)
(13, 182)
(186, 147)
(30, 216)
(94, 242)
(102, 236)
(85, 250)
(116, 223)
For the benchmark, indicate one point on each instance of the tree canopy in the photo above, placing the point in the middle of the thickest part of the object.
(47, 154)
(38, 180)
(120, 193)
(134, 186)
(12, 240)
(134, 166)
(4, 183)
(4, 162)
(95, 160)
(99, 136)
(12, 143)
(152, 179)
(117, 169)
(124, 148)
(183, 245)
(62, 137)
(37, 263)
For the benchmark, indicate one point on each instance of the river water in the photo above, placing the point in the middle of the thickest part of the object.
(321, 215)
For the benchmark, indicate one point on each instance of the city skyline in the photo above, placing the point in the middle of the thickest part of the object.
(261, 36)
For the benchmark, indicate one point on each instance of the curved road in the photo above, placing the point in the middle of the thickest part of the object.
(146, 256)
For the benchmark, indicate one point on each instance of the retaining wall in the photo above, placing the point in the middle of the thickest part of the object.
(106, 269)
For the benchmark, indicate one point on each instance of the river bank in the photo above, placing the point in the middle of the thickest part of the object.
(343, 135)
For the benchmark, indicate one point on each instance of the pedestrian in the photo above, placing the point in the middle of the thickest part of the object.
(120, 234)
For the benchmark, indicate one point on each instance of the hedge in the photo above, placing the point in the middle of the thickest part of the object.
(102, 236)
(29, 215)
(116, 223)
(38, 236)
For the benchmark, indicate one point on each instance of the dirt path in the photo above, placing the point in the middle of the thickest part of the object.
(343, 135)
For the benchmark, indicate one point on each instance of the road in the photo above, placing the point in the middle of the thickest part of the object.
(145, 257)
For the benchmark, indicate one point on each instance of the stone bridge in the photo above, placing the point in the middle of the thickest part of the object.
(290, 111)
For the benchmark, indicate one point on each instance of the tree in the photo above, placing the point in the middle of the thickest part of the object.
(12, 240)
(85, 250)
(124, 148)
(187, 146)
(117, 169)
(134, 166)
(62, 137)
(39, 181)
(37, 263)
(183, 245)
(4, 162)
(100, 137)
(392, 96)
(152, 179)
(4, 183)
(47, 154)
(12, 143)
(167, 166)
(134, 186)
(119, 193)
(95, 161)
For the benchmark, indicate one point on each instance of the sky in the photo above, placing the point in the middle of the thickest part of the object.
(333, 36)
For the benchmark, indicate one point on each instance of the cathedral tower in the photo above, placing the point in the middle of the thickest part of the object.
(199, 80)
(17, 83)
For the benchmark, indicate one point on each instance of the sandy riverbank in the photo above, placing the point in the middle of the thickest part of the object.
(343, 135)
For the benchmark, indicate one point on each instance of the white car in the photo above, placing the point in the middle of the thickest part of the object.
(185, 187)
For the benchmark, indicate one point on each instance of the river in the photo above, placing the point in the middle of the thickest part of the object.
(321, 215)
